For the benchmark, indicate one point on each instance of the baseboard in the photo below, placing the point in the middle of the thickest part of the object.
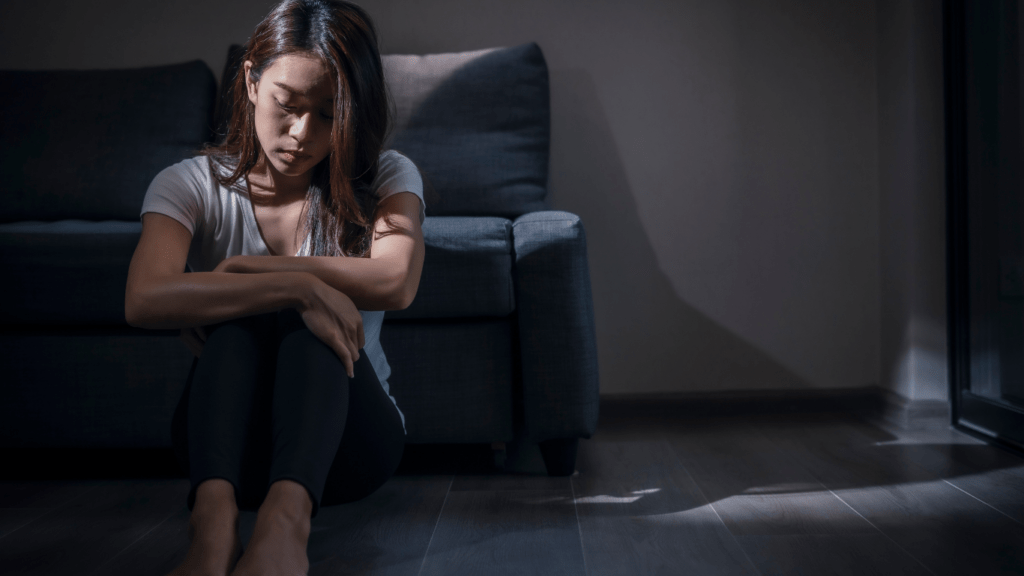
(902, 412)
(871, 403)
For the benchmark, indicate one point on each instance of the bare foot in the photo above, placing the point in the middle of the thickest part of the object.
(213, 535)
(279, 538)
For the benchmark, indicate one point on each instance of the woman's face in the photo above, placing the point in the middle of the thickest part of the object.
(294, 101)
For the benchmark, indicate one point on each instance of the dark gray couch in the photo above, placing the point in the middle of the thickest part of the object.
(497, 347)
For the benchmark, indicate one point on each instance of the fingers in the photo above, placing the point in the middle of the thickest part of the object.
(353, 350)
(348, 352)
(346, 358)
(349, 368)
(355, 338)
(357, 342)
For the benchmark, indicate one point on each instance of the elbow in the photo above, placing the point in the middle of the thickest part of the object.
(131, 311)
(403, 295)
(135, 309)
(406, 301)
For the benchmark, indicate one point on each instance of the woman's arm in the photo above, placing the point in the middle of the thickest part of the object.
(387, 280)
(159, 294)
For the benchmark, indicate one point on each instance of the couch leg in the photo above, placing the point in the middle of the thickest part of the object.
(498, 449)
(560, 455)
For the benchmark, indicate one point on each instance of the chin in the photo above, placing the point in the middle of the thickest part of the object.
(292, 169)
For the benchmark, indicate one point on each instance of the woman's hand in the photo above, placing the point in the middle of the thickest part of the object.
(228, 265)
(334, 319)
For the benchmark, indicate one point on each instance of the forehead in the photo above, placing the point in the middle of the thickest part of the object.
(303, 74)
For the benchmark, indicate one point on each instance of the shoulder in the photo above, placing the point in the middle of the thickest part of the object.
(195, 172)
(398, 174)
(394, 164)
(181, 191)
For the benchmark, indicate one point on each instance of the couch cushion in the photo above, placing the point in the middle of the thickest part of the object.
(108, 387)
(70, 272)
(453, 380)
(477, 125)
(467, 269)
(86, 144)
(74, 272)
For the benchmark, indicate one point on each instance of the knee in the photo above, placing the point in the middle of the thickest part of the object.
(238, 328)
(306, 347)
(289, 320)
(228, 338)
(303, 344)
(236, 337)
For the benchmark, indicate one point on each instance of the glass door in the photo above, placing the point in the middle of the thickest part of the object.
(985, 217)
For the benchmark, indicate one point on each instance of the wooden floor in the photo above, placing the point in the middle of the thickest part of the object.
(766, 494)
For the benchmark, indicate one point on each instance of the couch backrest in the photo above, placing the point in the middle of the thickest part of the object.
(478, 126)
(86, 144)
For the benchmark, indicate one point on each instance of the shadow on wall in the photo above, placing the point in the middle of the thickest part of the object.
(648, 340)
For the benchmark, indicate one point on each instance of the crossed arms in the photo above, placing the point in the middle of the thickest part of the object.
(326, 290)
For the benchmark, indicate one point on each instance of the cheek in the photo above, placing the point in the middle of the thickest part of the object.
(324, 140)
(268, 125)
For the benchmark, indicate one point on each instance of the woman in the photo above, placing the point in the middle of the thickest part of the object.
(293, 226)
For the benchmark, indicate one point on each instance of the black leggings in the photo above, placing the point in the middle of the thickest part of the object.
(269, 401)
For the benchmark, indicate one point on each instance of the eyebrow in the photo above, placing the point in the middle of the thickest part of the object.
(294, 91)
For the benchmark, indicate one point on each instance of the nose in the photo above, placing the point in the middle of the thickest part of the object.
(301, 127)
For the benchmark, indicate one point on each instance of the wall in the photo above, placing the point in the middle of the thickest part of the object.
(912, 185)
(724, 158)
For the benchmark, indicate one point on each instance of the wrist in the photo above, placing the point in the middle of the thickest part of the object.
(235, 264)
(303, 290)
(230, 264)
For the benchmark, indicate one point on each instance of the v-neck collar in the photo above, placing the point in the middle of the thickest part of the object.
(252, 226)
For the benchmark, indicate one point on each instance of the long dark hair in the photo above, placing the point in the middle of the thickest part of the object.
(342, 204)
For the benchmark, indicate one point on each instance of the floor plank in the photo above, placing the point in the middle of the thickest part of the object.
(79, 536)
(1000, 489)
(756, 486)
(894, 488)
(386, 533)
(990, 474)
(641, 513)
(524, 470)
(830, 555)
(22, 501)
(43, 493)
(514, 532)
(946, 530)
(158, 552)
(12, 519)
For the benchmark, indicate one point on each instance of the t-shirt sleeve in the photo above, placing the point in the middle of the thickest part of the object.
(175, 192)
(398, 174)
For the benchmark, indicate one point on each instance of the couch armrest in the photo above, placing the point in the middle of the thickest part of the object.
(556, 326)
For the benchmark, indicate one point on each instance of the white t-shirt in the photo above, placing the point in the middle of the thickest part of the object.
(223, 224)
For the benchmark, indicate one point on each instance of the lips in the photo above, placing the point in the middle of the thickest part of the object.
(293, 155)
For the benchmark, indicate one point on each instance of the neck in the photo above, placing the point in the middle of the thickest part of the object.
(268, 186)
